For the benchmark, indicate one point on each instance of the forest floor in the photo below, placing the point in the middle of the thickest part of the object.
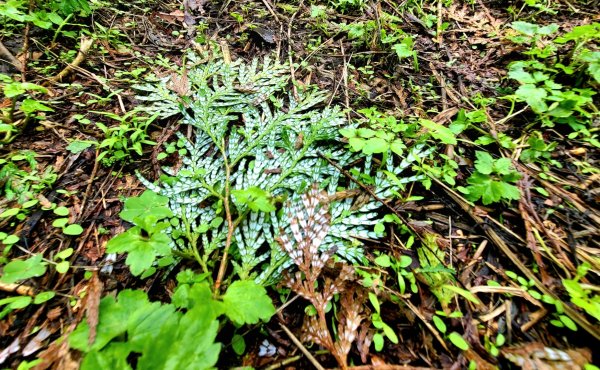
(488, 259)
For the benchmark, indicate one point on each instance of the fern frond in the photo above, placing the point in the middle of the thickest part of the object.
(246, 124)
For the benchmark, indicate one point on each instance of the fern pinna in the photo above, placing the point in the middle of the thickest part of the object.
(254, 146)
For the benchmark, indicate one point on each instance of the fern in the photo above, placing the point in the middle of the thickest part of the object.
(250, 136)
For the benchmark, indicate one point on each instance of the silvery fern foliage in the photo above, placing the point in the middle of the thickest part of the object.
(250, 133)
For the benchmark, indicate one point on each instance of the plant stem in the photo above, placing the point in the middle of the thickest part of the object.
(230, 226)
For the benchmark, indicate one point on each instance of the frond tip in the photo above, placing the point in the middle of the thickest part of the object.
(309, 222)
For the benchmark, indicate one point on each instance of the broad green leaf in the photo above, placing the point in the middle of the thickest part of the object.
(534, 96)
(566, 320)
(78, 146)
(61, 211)
(15, 303)
(10, 212)
(502, 166)
(29, 106)
(255, 198)
(60, 222)
(17, 270)
(15, 89)
(366, 133)
(442, 133)
(526, 28)
(517, 72)
(187, 343)
(245, 302)
(113, 318)
(148, 203)
(142, 250)
(484, 163)
(374, 301)
(356, 143)
(375, 145)
(383, 260)
(113, 357)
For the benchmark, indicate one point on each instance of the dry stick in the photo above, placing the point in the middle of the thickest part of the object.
(439, 23)
(297, 342)
(4, 52)
(531, 243)
(289, 36)
(86, 44)
(574, 315)
(345, 76)
(17, 288)
(418, 313)
(270, 8)
(88, 189)
(26, 42)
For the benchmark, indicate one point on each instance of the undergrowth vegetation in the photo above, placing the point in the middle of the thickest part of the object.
(383, 183)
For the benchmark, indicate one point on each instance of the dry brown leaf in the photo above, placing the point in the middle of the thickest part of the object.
(536, 356)
(92, 305)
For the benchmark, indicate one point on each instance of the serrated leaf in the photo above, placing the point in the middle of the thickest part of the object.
(484, 163)
(78, 146)
(245, 302)
(534, 96)
(29, 106)
(442, 133)
(375, 145)
(142, 250)
(148, 203)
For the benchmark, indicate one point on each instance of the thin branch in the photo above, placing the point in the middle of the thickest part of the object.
(301, 347)
(7, 55)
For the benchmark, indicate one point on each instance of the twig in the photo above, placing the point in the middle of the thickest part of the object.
(301, 347)
(4, 52)
(524, 209)
(439, 23)
(225, 51)
(491, 233)
(289, 36)
(88, 188)
(20, 289)
(270, 8)
(86, 44)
